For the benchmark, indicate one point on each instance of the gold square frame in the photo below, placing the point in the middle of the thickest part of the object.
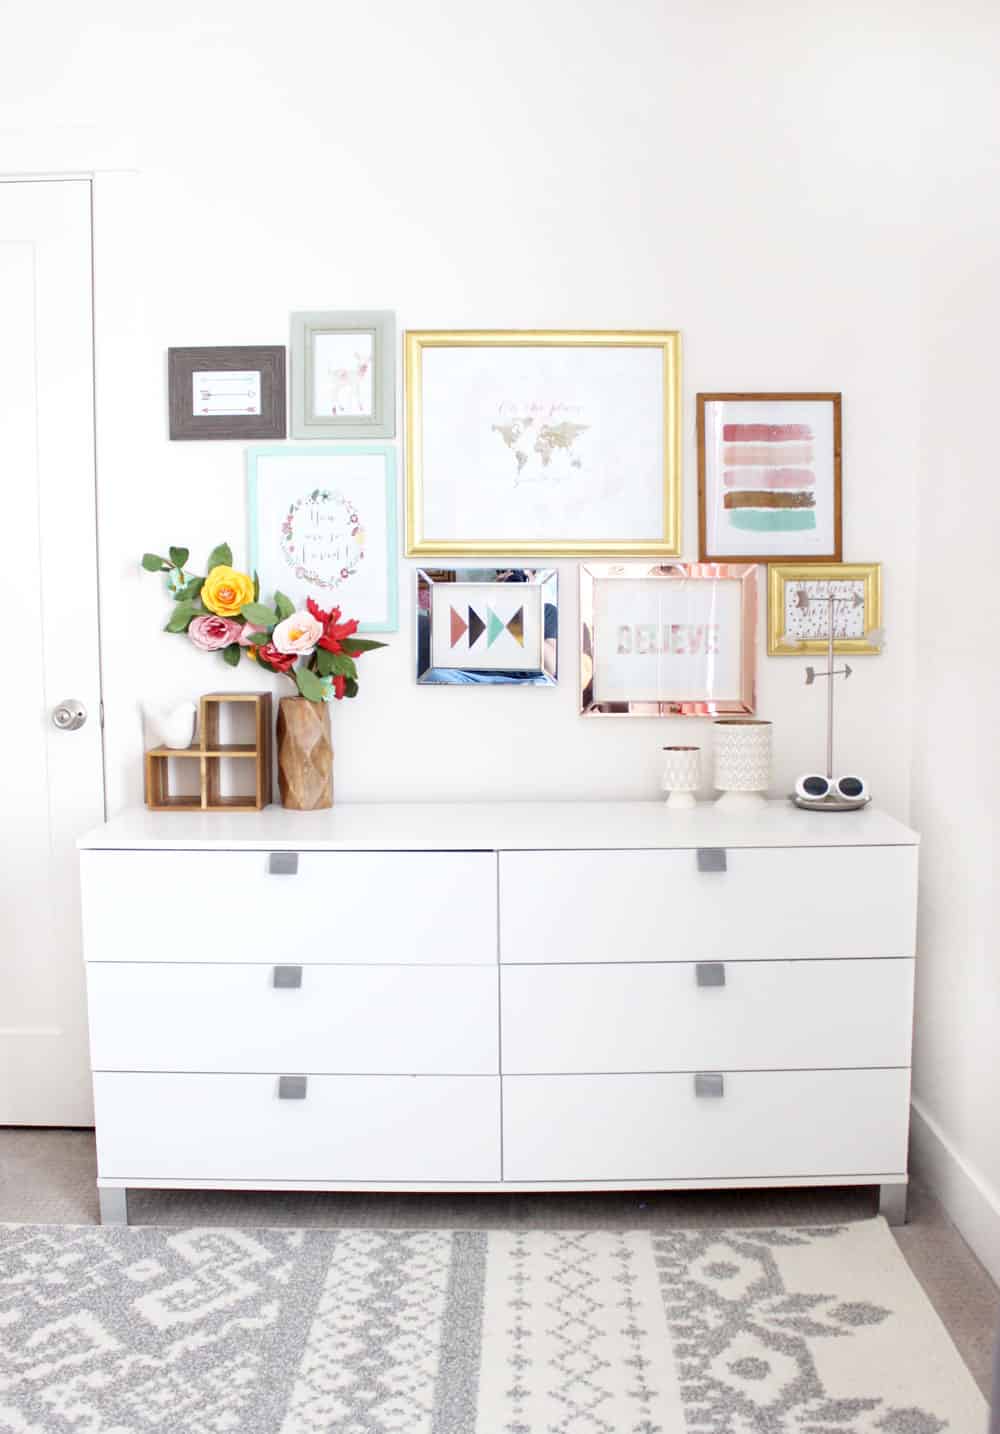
(780, 574)
(421, 544)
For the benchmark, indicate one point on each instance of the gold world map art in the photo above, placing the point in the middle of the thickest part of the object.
(521, 436)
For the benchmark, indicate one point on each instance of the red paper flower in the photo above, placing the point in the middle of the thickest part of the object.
(339, 684)
(277, 661)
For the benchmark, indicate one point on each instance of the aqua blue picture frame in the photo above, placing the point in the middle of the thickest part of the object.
(332, 452)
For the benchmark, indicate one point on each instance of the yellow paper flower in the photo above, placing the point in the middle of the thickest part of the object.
(224, 591)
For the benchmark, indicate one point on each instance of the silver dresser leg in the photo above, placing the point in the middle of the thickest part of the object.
(892, 1203)
(114, 1205)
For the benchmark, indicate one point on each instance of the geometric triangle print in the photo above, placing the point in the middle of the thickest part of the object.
(495, 626)
(476, 627)
(516, 626)
(458, 627)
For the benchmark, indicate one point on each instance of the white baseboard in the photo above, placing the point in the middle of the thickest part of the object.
(971, 1203)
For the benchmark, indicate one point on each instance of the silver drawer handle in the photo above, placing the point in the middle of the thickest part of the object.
(287, 978)
(706, 973)
(709, 1085)
(283, 863)
(292, 1087)
(711, 858)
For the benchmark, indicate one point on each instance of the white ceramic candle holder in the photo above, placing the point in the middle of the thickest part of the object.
(742, 749)
(681, 775)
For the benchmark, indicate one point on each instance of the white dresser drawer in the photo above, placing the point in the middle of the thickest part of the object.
(776, 902)
(769, 1015)
(383, 1020)
(396, 907)
(654, 1127)
(348, 1128)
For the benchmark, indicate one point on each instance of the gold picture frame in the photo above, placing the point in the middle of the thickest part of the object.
(867, 578)
(421, 541)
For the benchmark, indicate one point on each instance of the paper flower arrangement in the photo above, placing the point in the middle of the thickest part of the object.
(312, 646)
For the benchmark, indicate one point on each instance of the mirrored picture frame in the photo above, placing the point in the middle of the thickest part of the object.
(343, 373)
(668, 639)
(495, 627)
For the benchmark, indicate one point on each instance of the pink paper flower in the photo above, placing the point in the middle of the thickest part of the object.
(211, 633)
(298, 633)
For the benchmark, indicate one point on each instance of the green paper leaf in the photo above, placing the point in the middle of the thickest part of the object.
(344, 666)
(179, 556)
(350, 688)
(259, 614)
(284, 606)
(258, 639)
(180, 618)
(232, 654)
(324, 662)
(153, 563)
(190, 590)
(362, 644)
(309, 685)
(220, 556)
(256, 587)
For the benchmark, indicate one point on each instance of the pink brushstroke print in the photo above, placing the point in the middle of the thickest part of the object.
(773, 478)
(765, 432)
(762, 455)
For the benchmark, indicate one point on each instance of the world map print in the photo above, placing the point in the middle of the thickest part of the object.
(536, 444)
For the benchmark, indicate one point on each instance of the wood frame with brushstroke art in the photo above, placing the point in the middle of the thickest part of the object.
(703, 552)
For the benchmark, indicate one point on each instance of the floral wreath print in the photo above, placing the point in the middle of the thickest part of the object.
(352, 523)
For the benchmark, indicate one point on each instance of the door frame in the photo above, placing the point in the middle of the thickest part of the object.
(116, 295)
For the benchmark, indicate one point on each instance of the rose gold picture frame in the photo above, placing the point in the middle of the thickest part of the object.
(719, 658)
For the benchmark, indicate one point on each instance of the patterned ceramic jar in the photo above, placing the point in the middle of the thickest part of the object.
(742, 759)
(681, 775)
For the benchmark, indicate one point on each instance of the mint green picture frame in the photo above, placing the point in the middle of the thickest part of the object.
(332, 453)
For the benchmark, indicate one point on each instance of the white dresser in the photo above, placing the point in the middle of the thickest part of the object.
(512, 996)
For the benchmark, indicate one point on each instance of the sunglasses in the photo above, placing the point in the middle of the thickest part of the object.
(815, 787)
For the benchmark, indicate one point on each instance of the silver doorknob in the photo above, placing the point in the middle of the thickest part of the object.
(69, 715)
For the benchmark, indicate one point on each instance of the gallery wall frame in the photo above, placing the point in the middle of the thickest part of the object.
(769, 477)
(343, 373)
(487, 626)
(545, 443)
(322, 520)
(797, 627)
(668, 639)
(234, 392)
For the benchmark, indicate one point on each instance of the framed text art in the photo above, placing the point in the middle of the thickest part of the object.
(543, 442)
(769, 482)
(488, 626)
(323, 525)
(798, 608)
(344, 374)
(236, 393)
(670, 639)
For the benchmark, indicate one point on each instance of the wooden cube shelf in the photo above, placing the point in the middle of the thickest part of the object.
(211, 753)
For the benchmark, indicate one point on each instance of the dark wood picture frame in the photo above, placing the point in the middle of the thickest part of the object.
(268, 360)
(834, 556)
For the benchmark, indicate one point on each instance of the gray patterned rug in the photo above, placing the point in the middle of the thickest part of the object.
(130, 1331)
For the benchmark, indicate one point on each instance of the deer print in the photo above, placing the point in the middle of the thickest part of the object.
(345, 384)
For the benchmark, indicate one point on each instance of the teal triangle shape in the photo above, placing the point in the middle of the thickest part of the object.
(495, 627)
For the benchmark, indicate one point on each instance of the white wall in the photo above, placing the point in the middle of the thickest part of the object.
(956, 768)
(808, 194)
(744, 176)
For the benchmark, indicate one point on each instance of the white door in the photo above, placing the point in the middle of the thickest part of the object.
(51, 778)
